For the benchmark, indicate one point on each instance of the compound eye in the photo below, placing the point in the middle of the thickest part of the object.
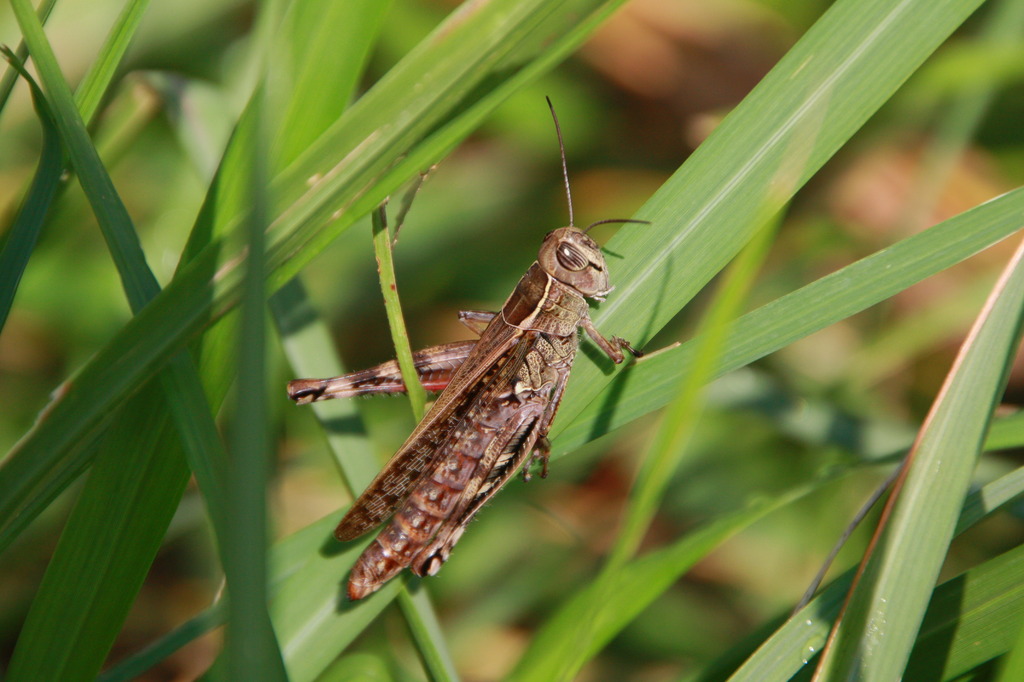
(571, 258)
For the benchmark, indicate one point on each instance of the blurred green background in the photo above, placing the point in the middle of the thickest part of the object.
(633, 103)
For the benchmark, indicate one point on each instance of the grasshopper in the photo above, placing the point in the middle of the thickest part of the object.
(499, 395)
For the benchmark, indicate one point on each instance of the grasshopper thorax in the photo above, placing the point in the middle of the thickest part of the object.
(573, 258)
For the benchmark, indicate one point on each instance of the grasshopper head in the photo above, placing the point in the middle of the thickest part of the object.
(573, 258)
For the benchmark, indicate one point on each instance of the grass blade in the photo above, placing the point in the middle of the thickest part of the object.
(875, 639)
(396, 322)
(101, 73)
(649, 385)
(792, 642)
(24, 232)
(836, 76)
(251, 648)
(207, 286)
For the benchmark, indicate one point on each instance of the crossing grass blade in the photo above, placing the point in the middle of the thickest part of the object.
(874, 639)
(871, 280)
(22, 236)
(88, 633)
(503, 39)
(836, 76)
(788, 644)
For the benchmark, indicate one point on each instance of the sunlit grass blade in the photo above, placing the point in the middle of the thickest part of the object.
(965, 625)
(970, 619)
(831, 81)
(322, 62)
(874, 639)
(680, 416)
(649, 385)
(798, 639)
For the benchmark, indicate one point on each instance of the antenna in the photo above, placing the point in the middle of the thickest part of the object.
(565, 169)
(617, 220)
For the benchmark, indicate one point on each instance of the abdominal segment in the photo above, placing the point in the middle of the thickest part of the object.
(412, 527)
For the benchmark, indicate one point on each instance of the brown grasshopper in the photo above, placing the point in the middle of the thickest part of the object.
(499, 397)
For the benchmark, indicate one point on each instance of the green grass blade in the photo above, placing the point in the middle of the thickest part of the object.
(103, 69)
(1013, 664)
(1006, 432)
(604, 609)
(323, 61)
(185, 396)
(797, 639)
(22, 236)
(123, 511)
(328, 42)
(104, 552)
(21, 52)
(680, 415)
(603, 614)
(426, 631)
(649, 385)
(966, 625)
(875, 638)
(310, 351)
(970, 620)
(139, 284)
(46, 181)
(466, 53)
(45, 185)
(251, 648)
(396, 322)
(835, 77)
